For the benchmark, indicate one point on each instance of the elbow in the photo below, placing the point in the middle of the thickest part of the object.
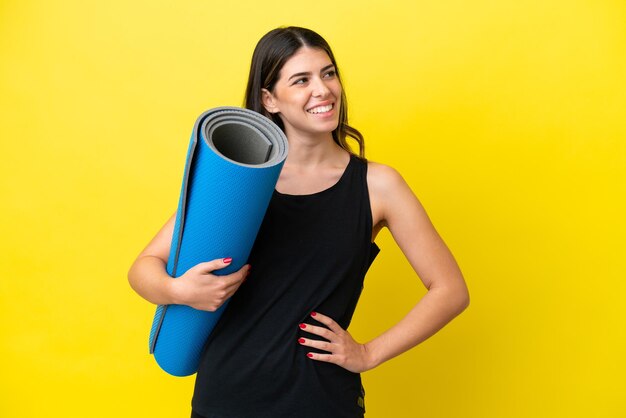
(465, 301)
(456, 294)
(462, 299)
(132, 276)
(459, 294)
(137, 270)
(458, 299)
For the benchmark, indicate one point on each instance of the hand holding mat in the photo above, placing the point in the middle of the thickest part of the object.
(233, 163)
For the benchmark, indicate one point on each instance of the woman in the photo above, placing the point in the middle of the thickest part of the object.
(281, 348)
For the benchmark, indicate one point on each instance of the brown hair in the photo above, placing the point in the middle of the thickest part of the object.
(270, 54)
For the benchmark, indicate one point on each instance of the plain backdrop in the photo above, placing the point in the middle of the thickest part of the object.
(507, 119)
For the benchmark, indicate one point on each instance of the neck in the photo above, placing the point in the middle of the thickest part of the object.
(312, 150)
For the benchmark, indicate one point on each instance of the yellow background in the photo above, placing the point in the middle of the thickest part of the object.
(507, 118)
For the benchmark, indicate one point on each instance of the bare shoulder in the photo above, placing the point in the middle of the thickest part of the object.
(395, 207)
(384, 180)
(389, 194)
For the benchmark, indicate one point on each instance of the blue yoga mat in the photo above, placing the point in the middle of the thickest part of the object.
(233, 162)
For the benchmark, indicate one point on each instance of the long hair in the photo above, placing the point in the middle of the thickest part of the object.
(270, 54)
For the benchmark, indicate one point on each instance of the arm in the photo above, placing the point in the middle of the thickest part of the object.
(197, 287)
(395, 206)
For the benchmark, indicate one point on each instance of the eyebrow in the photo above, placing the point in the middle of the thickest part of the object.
(309, 73)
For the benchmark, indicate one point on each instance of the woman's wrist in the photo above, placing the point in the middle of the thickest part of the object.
(371, 358)
(173, 291)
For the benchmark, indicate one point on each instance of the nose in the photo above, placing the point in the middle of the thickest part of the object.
(320, 89)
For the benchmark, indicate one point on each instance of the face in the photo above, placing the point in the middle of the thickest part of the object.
(307, 96)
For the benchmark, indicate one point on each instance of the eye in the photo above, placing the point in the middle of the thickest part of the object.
(302, 80)
(330, 74)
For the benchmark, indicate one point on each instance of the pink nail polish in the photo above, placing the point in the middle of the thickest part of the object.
(309, 355)
(227, 260)
(303, 326)
(301, 340)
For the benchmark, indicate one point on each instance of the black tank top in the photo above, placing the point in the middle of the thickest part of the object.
(311, 254)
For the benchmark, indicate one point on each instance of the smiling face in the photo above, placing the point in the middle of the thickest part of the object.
(307, 95)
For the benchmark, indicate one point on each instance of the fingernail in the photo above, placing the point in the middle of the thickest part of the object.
(303, 326)
(227, 260)
(313, 313)
(309, 355)
(301, 340)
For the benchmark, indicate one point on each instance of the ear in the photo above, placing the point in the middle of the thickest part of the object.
(268, 101)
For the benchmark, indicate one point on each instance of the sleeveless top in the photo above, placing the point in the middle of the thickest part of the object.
(311, 254)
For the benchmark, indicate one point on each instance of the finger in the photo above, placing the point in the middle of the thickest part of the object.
(232, 287)
(328, 321)
(236, 278)
(322, 332)
(244, 269)
(328, 358)
(320, 345)
(217, 264)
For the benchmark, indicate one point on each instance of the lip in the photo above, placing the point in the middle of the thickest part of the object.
(324, 103)
(323, 114)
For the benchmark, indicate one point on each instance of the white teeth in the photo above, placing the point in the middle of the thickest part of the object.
(321, 109)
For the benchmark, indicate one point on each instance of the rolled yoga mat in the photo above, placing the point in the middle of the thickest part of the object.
(233, 162)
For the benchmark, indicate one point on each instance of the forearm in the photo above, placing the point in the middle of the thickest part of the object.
(148, 277)
(438, 307)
